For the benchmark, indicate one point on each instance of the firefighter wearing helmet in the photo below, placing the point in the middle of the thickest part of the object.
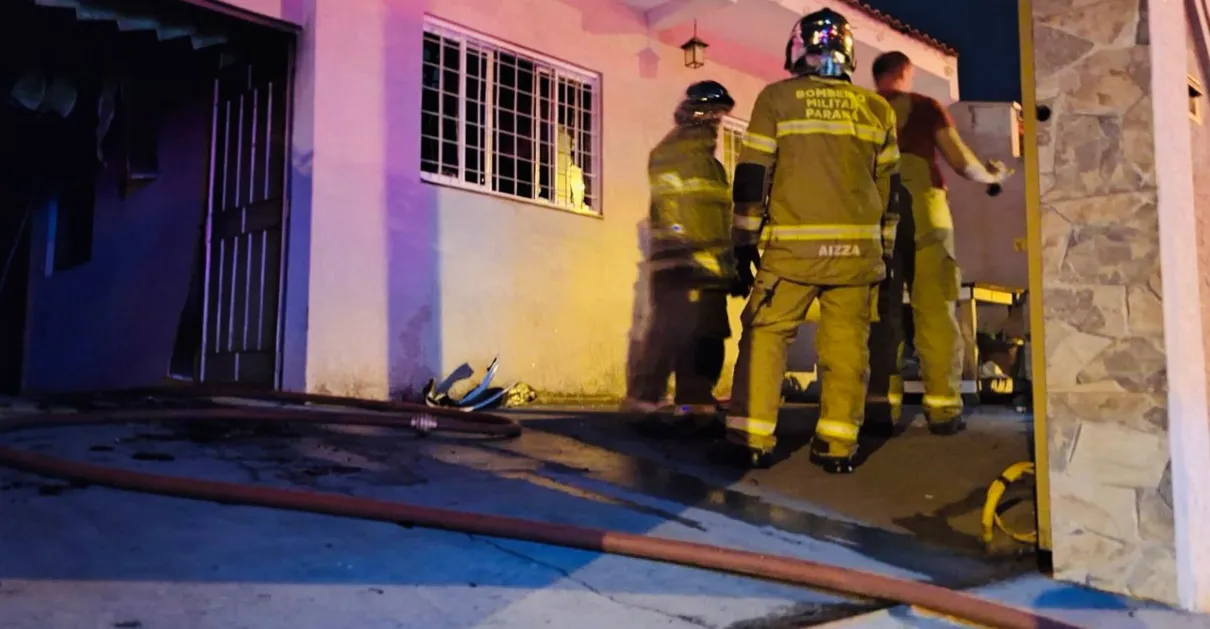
(690, 268)
(813, 184)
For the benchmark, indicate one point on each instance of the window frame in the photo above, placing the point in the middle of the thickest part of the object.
(738, 126)
(467, 38)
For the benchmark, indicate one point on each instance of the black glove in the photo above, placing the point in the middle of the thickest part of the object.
(747, 257)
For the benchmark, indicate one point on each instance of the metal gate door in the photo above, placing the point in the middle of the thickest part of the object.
(245, 221)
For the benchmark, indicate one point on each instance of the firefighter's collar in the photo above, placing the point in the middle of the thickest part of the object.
(844, 78)
(699, 133)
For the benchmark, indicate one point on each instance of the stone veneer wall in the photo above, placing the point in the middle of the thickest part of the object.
(1111, 503)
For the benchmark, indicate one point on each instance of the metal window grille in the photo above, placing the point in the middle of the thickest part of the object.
(501, 120)
(730, 143)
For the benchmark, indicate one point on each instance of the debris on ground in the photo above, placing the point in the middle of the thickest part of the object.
(519, 395)
(483, 396)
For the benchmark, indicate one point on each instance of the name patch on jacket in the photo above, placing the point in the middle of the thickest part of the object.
(839, 251)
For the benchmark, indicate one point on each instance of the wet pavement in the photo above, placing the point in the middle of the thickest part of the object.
(916, 486)
(78, 556)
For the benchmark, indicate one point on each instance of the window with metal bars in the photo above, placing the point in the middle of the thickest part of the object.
(500, 120)
(730, 142)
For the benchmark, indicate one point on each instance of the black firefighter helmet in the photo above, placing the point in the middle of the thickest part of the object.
(705, 102)
(825, 34)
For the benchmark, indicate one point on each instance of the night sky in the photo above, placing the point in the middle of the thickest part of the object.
(984, 32)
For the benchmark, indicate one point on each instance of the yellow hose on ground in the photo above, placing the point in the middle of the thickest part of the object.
(995, 493)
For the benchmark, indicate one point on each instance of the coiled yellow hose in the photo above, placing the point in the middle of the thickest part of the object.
(995, 493)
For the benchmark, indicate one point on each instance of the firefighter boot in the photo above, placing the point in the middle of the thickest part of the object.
(945, 416)
(698, 367)
(747, 451)
(833, 457)
(647, 419)
(700, 421)
(945, 427)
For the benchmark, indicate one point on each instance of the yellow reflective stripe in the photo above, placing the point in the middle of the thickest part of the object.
(888, 155)
(704, 256)
(708, 261)
(679, 263)
(838, 430)
(1001, 385)
(889, 231)
(746, 223)
(826, 232)
(762, 143)
(832, 127)
(942, 401)
(673, 183)
(752, 426)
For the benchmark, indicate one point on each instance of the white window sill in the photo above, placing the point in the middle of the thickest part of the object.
(456, 184)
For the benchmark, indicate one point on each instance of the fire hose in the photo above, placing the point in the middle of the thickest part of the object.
(425, 420)
(990, 518)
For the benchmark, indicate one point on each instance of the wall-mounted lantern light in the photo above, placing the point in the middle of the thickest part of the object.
(695, 50)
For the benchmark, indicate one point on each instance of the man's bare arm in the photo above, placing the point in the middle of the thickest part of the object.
(963, 160)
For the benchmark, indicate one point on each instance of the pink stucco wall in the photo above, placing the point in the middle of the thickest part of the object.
(1199, 70)
(392, 280)
(1183, 192)
(407, 279)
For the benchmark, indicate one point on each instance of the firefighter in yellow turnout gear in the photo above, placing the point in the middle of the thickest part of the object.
(828, 151)
(925, 130)
(691, 271)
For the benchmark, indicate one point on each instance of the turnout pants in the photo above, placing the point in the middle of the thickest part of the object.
(685, 337)
(775, 310)
(934, 290)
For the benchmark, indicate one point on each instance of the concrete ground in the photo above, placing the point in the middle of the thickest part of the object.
(1076, 605)
(84, 557)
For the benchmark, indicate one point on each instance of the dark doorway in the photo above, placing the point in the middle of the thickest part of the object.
(89, 172)
(16, 212)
